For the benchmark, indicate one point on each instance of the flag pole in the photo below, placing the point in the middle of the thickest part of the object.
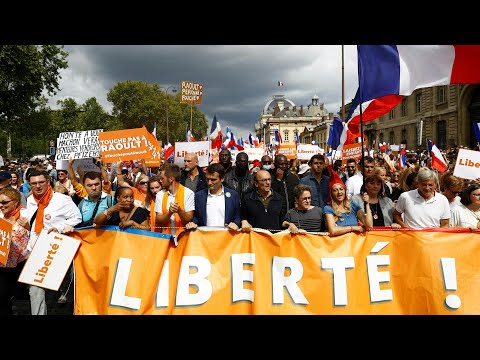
(343, 86)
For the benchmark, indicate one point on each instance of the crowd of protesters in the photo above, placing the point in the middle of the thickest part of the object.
(275, 194)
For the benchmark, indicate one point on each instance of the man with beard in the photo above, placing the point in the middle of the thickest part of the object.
(225, 158)
(175, 203)
(240, 179)
(193, 176)
(283, 181)
(217, 205)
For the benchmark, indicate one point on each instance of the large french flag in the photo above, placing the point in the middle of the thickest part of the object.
(216, 136)
(401, 69)
(438, 162)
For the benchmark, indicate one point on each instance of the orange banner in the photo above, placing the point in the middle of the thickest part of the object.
(5, 237)
(121, 145)
(154, 146)
(135, 272)
(288, 150)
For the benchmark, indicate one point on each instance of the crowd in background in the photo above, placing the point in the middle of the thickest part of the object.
(274, 193)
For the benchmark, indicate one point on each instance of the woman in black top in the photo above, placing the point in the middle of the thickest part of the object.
(124, 213)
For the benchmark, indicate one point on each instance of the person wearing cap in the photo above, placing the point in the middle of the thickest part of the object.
(317, 181)
(341, 215)
(6, 181)
(302, 170)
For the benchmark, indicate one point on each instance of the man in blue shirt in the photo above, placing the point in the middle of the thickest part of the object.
(317, 181)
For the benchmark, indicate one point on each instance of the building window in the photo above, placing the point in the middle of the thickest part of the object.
(392, 138)
(404, 107)
(391, 115)
(404, 136)
(442, 134)
(285, 135)
(418, 103)
(441, 94)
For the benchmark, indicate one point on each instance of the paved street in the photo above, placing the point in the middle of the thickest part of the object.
(22, 306)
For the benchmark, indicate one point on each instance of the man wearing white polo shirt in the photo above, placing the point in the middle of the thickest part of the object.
(423, 207)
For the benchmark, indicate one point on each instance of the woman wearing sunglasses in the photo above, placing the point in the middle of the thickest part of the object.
(304, 217)
(11, 211)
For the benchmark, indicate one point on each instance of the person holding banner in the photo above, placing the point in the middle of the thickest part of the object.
(51, 211)
(217, 205)
(140, 187)
(467, 214)
(343, 216)
(304, 217)
(175, 203)
(124, 213)
(13, 212)
(423, 207)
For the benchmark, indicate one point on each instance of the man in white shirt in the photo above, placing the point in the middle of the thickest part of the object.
(175, 203)
(216, 206)
(423, 207)
(51, 211)
(355, 182)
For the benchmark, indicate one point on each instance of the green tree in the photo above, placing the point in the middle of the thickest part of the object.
(137, 103)
(26, 72)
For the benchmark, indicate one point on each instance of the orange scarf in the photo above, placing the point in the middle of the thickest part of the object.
(42, 204)
(152, 217)
(15, 213)
(179, 198)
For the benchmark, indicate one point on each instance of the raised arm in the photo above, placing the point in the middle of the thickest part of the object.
(120, 180)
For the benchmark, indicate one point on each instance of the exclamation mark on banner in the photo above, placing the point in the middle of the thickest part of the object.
(450, 279)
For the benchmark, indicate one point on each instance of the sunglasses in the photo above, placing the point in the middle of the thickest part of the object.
(143, 182)
(5, 202)
(267, 162)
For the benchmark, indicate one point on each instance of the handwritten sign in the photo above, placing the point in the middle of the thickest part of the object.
(49, 260)
(77, 145)
(5, 237)
(190, 92)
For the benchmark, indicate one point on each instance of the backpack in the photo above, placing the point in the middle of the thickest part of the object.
(90, 222)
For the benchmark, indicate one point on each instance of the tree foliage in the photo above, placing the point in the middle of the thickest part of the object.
(137, 103)
(26, 72)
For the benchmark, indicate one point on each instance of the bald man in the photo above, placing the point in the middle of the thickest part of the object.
(192, 176)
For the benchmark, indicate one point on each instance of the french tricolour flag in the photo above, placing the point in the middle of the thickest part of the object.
(438, 162)
(400, 69)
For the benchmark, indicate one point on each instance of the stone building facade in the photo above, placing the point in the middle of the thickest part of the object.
(444, 114)
(283, 115)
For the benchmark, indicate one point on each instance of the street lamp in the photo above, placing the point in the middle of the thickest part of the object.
(166, 92)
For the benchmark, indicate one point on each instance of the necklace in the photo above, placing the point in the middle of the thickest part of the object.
(374, 211)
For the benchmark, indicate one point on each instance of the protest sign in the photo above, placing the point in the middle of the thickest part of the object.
(49, 260)
(5, 236)
(77, 145)
(201, 148)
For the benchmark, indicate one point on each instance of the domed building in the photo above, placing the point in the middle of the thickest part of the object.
(280, 113)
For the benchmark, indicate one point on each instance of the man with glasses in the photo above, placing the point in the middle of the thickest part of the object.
(51, 211)
(284, 181)
(262, 207)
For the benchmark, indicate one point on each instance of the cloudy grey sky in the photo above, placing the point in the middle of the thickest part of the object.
(238, 79)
